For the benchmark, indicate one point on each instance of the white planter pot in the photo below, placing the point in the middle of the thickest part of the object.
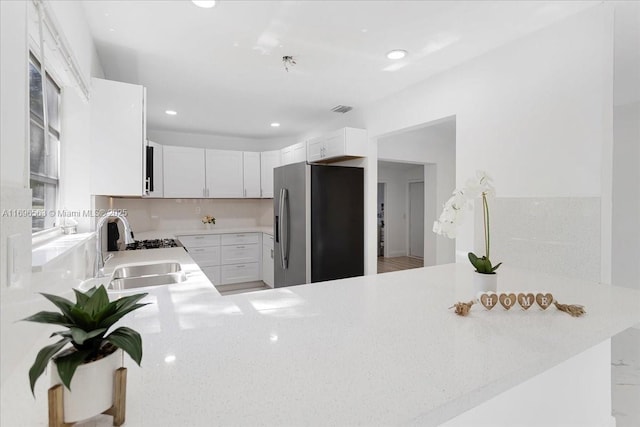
(485, 282)
(91, 387)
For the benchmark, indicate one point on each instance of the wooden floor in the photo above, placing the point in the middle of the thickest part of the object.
(386, 265)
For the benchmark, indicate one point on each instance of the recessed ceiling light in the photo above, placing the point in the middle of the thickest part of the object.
(204, 4)
(275, 125)
(171, 112)
(397, 54)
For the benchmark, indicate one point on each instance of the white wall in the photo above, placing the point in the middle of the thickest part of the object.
(434, 146)
(535, 114)
(626, 147)
(185, 214)
(221, 142)
(17, 339)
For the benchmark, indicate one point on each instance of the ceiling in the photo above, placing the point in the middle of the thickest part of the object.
(221, 68)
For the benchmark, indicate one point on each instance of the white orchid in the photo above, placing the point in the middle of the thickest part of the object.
(453, 213)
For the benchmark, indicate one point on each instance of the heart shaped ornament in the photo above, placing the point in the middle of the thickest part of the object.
(507, 300)
(544, 300)
(489, 300)
(526, 300)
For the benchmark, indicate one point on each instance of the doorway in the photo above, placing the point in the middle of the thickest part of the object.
(381, 191)
(416, 219)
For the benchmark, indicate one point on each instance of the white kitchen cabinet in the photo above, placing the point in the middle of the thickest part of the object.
(213, 274)
(154, 175)
(238, 273)
(267, 259)
(226, 258)
(294, 153)
(118, 136)
(240, 257)
(342, 144)
(224, 174)
(184, 171)
(251, 173)
(205, 250)
(268, 161)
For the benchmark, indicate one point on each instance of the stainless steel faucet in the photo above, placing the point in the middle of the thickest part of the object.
(98, 270)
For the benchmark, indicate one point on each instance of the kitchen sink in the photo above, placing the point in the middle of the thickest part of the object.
(128, 271)
(142, 275)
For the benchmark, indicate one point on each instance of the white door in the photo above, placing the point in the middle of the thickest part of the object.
(300, 152)
(183, 170)
(416, 219)
(251, 173)
(224, 173)
(268, 161)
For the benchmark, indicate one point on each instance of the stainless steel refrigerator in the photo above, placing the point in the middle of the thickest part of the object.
(319, 223)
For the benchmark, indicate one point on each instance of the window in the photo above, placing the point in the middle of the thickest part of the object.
(44, 146)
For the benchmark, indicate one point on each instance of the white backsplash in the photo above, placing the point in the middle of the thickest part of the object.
(186, 214)
(559, 235)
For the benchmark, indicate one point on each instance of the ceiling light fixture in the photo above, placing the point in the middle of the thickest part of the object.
(204, 4)
(397, 54)
(275, 125)
(171, 112)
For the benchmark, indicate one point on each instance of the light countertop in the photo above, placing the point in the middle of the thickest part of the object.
(170, 234)
(374, 350)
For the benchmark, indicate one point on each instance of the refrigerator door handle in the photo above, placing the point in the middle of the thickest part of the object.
(283, 236)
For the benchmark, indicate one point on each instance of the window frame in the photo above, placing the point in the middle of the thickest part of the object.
(50, 181)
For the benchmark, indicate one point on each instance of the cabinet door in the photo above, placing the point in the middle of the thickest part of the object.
(315, 149)
(300, 152)
(213, 274)
(118, 134)
(268, 161)
(184, 173)
(251, 175)
(267, 259)
(334, 144)
(155, 174)
(286, 155)
(239, 273)
(224, 173)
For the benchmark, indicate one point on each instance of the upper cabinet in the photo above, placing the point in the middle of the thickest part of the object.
(294, 153)
(224, 174)
(251, 167)
(118, 136)
(184, 171)
(268, 161)
(343, 144)
(154, 175)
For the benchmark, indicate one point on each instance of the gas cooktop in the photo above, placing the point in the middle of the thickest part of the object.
(152, 244)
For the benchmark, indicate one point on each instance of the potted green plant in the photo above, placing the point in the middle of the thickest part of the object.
(86, 356)
(453, 215)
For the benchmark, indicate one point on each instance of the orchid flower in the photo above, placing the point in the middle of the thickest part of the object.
(453, 213)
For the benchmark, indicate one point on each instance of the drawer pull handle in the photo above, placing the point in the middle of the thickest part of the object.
(240, 247)
(240, 266)
(199, 237)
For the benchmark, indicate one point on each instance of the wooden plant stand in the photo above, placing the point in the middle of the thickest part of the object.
(117, 410)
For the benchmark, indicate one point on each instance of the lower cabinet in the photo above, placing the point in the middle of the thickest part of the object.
(238, 273)
(226, 258)
(267, 259)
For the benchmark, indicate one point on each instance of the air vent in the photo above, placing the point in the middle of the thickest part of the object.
(341, 109)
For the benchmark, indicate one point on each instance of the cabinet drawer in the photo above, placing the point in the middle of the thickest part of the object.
(205, 256)
(240, 238)
(239, 273)
(200, 240)
(213, 274)
(240, 254)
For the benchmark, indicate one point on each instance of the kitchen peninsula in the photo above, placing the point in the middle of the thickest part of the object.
(372, 350)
